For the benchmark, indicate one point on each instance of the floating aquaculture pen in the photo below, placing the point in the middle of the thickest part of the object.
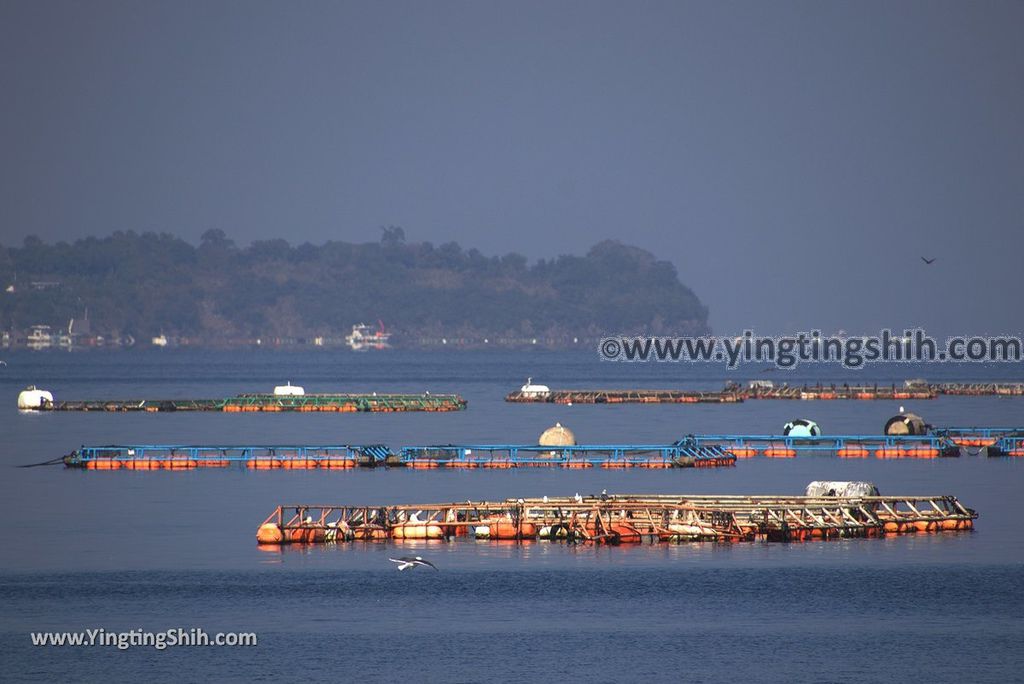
(692, 451)
(761, 390)
(186, 457)
(682, 454)
(272, 403)
(941, 442)
(624, 396)
(623, 519)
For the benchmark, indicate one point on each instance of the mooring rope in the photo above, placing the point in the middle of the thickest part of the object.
(52, 461)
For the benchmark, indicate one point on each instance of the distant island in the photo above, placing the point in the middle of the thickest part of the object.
(157, 288)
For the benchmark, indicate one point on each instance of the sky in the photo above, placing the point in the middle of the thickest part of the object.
(794, 160)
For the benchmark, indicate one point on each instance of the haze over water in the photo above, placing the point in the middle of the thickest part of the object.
(160, 550)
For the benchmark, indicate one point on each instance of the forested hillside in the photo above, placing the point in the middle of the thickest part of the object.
(219, 293)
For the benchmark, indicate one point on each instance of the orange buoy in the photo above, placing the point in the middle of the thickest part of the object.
(417, 530)
(142, 464)
(780, 452)
(306, 535)
(298, 463)
(263, 463)
(423, 463)
(888, 452)
(338, 462)
(269, 533)
(506, 529)
(369, 533)
(891, 527)
(852, 452)
(742, 451)
(498, 463)
(925, 525)
(179, 464)
(103, 464)
(461, 464)
(616, 464)
(921, 452)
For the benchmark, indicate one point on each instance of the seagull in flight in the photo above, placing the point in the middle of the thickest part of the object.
(927, 261)
(405, 562)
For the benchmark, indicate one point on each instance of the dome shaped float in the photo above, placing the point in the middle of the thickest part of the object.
(906, 424)
(556, 435)
(31, 398)
(801, 427)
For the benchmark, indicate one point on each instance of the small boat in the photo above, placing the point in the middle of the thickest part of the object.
(39, 337)
(364, 338)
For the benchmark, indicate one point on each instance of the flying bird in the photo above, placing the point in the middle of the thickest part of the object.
(927, 261)
(406, 562)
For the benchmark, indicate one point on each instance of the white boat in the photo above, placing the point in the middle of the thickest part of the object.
(39, 337)
(364, 338)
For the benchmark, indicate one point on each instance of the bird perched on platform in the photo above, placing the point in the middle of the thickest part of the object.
(406, 562)
(927, 261)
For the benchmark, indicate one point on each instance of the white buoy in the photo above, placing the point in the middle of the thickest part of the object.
(32, 399)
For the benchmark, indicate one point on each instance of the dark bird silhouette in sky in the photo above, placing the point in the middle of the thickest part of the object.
(927, 261)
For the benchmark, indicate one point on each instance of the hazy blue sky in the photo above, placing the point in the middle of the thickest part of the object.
(793, 160)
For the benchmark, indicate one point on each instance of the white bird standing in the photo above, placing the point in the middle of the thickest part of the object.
(406, 562)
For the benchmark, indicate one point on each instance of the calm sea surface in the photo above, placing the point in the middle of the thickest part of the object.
(161, 550)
